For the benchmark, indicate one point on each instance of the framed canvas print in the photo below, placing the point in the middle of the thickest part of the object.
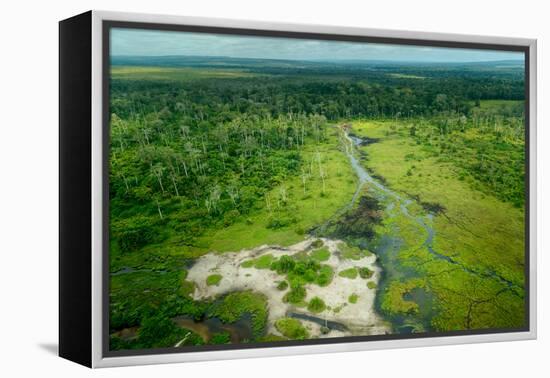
(237, 189)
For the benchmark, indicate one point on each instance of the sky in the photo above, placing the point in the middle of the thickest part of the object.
(141, 42)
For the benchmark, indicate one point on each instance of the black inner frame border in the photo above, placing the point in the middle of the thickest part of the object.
(107, 25)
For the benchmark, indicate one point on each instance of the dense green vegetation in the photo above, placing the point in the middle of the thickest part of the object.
(291, 328)
(209, 159)
(477, 279)
(235, 305)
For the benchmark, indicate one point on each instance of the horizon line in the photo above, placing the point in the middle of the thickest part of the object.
(318, 59)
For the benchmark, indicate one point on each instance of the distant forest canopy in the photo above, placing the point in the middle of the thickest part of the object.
(333, 90)
(216, 145)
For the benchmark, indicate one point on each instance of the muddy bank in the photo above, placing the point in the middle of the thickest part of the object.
(239, 332)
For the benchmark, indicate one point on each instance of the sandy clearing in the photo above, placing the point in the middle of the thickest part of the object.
(360, 318)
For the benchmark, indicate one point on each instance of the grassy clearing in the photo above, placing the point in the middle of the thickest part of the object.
(173, 73)
(405, 76)
(499, 107)
(307, 209)
(262, 262)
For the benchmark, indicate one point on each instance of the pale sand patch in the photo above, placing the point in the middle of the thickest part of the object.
(360, 318)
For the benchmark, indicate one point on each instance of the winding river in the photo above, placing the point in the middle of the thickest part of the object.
(397, 201)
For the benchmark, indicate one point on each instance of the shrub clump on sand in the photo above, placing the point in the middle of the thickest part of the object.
(213, 279)
(283, 285)
(322, 254)
(302, 269)
(296, 295)
(291, 328)
(262, 262)
(365, 272)
(316, 305)
(318, 243)
(350, 273)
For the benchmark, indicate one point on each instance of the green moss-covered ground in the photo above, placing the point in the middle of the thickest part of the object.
(477, 282)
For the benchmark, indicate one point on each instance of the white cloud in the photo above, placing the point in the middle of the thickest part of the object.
(158, 43)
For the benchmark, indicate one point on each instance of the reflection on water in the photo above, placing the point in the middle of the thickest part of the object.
(322, 322)
(239, 332)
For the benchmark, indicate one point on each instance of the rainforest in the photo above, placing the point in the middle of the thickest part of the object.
(258, 200)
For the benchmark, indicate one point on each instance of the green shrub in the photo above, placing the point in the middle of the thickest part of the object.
(325, 276)
(263, 262)
(284, 265)
(353, 298)
(230, 217)
(299, 230)
(220, 338)
(283, 285)
(235, 305)
(296, 295)
(316, 305)
(371, 285)
(135, 232)
(322, 254)
(158, 331)
(247, 264)
(317, 243)
(280, 221)
(365, 272)
(291, 328)
(187, 288)
(213, 279)
(350, 252)
(350, 273)
(271, 337)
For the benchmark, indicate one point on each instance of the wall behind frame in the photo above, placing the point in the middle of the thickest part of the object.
(29, 153)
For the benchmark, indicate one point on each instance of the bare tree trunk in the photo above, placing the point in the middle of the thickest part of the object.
(160, 182)
(175, 185)
(125, 183)
(158, 208)
(185, 169)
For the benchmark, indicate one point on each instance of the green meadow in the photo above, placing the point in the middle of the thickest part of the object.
(479, 281)
(209, 158)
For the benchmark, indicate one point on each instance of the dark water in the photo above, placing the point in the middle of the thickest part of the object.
(127, 270)
(387, 248)
(322, 322)
(182, 264)
(240, 331)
